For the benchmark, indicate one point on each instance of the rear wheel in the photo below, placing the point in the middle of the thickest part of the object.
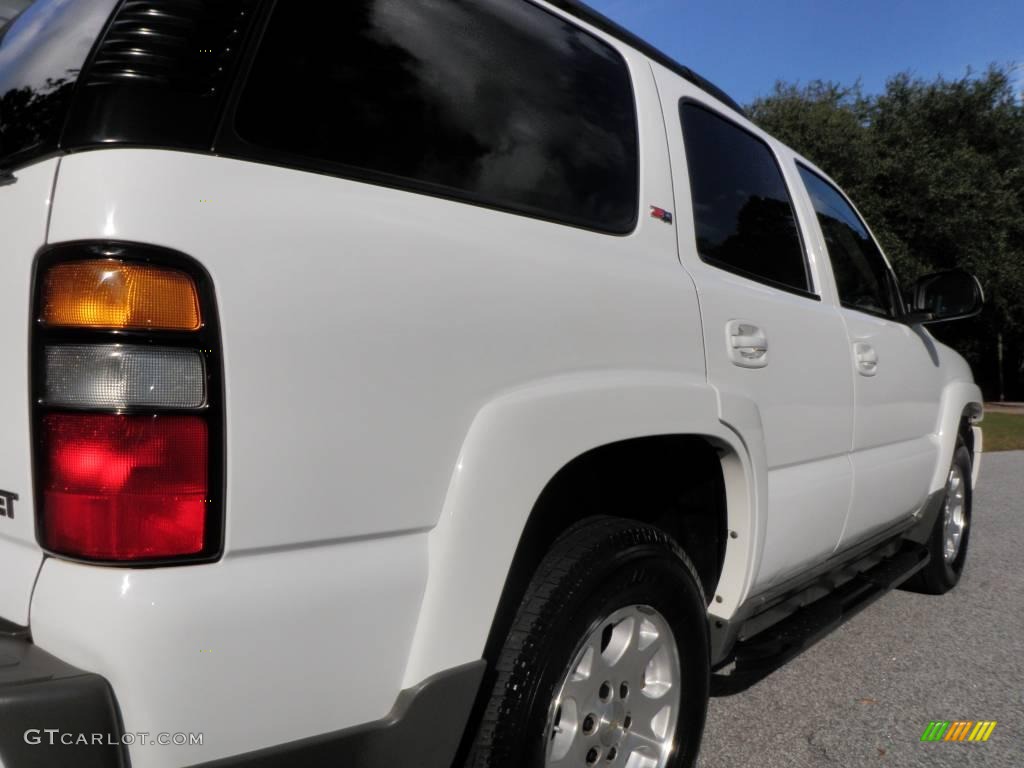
(606, 663)
(948, 541)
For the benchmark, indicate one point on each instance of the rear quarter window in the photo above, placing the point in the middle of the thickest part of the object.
(743, 213)
(42, 52)
(496, 102)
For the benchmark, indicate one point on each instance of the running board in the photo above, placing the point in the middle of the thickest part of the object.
(758, 656)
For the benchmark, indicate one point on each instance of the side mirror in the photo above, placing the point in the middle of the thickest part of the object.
(944, 296)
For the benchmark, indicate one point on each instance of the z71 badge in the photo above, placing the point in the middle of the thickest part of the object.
(7, 500)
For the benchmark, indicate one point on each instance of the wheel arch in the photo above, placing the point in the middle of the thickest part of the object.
(525, 458)
(961, 408)
(674, 482)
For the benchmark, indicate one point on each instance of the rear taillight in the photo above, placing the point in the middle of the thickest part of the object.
(115, 295)
(125, 487)
(128, 406)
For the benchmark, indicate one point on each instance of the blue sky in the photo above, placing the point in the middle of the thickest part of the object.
(744, 46)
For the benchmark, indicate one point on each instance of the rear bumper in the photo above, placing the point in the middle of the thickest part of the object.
(54, 714)
(423, 729)
(250, 652)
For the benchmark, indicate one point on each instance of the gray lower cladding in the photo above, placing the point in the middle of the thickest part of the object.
(423, 730)
(39, 692)
(42, 699)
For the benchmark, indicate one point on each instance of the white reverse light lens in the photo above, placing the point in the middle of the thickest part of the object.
(116, 376)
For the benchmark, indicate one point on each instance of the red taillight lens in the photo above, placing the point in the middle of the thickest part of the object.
(124, 487)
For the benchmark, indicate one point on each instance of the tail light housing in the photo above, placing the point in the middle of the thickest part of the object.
(127, 409)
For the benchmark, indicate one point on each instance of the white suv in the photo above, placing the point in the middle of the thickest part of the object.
(402, 383)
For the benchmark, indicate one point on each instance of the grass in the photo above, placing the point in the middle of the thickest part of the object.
(1003, 432)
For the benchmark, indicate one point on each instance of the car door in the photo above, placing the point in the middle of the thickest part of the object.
(897, 386)
(775, 350)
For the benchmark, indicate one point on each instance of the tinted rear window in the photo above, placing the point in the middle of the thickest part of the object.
(742, 209)
(493, 101)
(42, 52)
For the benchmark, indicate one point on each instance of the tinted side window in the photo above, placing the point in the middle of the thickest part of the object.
(42, 51)
(742, 210)
(493, 101)
(863, 278)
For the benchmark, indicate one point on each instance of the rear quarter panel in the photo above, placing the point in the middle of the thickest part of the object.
(24, 211)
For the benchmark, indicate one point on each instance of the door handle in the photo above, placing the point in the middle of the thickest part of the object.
(746, 343)
(866, 358)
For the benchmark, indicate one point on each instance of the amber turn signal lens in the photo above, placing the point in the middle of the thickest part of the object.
(102, 293)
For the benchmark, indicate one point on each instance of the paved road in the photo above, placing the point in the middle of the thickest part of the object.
(863, 695)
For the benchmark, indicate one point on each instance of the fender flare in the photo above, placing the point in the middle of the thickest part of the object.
(515, 445)
(958, 397)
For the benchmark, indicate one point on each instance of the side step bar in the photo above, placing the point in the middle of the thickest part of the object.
(758, 656)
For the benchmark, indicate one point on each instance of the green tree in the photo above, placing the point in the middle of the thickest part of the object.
(937, 169)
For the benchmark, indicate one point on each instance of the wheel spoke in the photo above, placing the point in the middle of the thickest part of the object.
(564, 731)
(576, 754)
(588, 665)
(954, 520)
(619, 700)
(617, 642)
(641, 751)
(644, 708)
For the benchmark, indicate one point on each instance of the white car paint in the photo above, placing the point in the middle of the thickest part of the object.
(959, 394)
(364, 330)
(404, 374)
(24, 212)
(252, 651)
(894, 452)
(978, 450)
(806, 380)
(505, 464)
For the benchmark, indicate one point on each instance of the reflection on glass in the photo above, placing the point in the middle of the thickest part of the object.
(743, 214)
(493, 100)
(862, 276)
(41, 53)
(950, 294)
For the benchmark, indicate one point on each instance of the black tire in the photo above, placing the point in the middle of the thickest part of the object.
(940, 576)
(595, 568)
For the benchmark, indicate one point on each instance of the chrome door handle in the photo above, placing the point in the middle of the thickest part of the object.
(746, 344)
(866, 358)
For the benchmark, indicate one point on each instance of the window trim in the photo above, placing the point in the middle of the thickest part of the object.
(894, 283)
(809, 292)
(766, 281)
(228, 142)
